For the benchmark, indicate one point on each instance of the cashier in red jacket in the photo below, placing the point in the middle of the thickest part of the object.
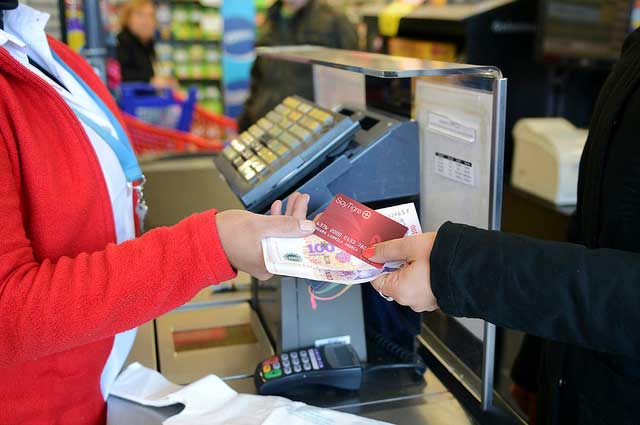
(74, 280)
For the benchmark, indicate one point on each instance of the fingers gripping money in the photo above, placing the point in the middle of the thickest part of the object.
(328, 255)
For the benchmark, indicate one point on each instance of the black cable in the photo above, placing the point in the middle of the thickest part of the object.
(408, 357)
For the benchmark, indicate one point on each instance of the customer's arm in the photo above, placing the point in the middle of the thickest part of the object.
(51, 305)
(554, 290)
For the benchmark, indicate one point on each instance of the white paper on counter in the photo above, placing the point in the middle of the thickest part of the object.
(209, 401)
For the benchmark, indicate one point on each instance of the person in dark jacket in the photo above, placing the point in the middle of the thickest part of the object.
(585, 297)
(293, 22)
(136, 51)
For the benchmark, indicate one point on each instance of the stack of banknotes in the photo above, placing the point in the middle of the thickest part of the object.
(316, 259)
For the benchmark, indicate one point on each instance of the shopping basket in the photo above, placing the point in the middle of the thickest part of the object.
(158, 105)
(210, 125)
(149, 138)
(207, 130)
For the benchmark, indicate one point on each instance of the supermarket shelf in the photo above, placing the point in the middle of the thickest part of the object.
(191, 36)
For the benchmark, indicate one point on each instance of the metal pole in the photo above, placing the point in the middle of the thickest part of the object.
(488, 365)
(94, 50)
(62, 12)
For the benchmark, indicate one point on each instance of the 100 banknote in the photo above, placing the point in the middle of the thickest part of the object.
(314, 258)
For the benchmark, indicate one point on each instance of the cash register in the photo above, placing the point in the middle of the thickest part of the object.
(357, 137)
(367, 154)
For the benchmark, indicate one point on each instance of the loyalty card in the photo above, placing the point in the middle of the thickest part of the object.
(351, 226)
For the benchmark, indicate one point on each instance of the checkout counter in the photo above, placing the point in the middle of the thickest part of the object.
(442, 151)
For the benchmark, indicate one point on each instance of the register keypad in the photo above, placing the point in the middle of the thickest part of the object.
(292, 125)
(281, 149)
(292, 363)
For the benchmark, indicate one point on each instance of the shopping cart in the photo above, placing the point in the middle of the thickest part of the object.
(158, 106)
(195, 129)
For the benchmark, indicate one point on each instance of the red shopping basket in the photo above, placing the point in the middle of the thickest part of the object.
(212, 126)
(208, 133)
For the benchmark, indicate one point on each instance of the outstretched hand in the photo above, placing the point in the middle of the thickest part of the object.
(411, 285)
(241, 232)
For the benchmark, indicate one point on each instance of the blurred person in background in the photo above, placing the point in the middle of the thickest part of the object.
(136, 50)
(293, 22)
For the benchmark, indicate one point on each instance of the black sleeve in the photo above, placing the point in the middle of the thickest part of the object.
(555, 290)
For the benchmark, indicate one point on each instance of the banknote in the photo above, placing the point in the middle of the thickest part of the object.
(310, 252)
(314, 258)
(333, 276)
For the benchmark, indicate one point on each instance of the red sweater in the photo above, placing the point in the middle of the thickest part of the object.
(65, 288)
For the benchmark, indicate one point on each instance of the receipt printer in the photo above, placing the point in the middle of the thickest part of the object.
(546, 158)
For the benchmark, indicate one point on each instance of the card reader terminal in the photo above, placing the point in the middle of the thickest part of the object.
(335, 365)
(281, 149)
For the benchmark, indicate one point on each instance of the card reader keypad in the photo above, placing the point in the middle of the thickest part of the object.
(273, 139)
(292, 363)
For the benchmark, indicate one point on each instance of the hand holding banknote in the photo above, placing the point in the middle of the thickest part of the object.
(241, 232)
(411, 284)
(312, 257)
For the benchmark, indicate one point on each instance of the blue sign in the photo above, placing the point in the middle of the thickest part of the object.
(237, 53)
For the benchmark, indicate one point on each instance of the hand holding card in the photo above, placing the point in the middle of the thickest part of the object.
(351, 226)
(313, 258)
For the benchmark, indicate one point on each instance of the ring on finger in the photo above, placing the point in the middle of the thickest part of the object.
(384, 280)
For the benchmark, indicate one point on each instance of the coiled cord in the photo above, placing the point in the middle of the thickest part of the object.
(410, 358)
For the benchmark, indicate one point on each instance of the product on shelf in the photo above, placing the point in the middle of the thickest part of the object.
(193, 21)
(189, 46)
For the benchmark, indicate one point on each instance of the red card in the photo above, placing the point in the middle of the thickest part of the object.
(352, 227)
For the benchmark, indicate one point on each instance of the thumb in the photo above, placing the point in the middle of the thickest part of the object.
(287, 227)
(407, 249)
(396, 249)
